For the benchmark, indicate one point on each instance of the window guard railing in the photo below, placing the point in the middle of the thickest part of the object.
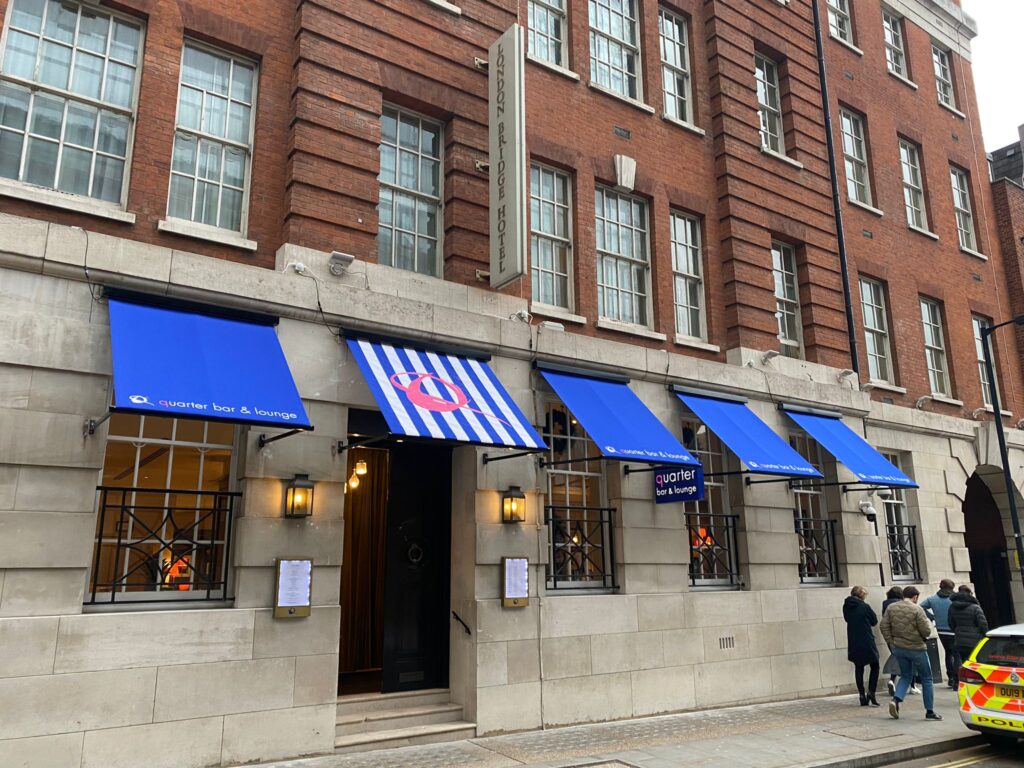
(903, 557)
(155, 551)
(818, 561)
(581, 547)
(714, 560)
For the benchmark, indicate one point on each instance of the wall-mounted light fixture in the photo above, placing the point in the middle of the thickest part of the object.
(299, 498)
(360, 468)
(513, 505)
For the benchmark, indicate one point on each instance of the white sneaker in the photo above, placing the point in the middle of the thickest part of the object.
(915, 691)
(892, 688)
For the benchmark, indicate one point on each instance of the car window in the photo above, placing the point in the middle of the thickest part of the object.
(1002, 650)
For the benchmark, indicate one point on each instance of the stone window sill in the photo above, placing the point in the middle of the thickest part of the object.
(632, 102)
(975, 254)
(886, 386)
(684, 125)
(558, 313)
(990, 409)
(445, 6)
(783, 158)
(924, 232)
(204, 232)
(946, 400)
(68, 202)
(634, 330)
(847, 44)
(865, 206)
(906, 81)
(952, 109)
(558, 70)
(689, 341)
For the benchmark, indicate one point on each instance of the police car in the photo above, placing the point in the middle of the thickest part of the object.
(992, 685)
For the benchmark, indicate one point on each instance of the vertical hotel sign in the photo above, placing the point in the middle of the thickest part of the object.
(507, 120)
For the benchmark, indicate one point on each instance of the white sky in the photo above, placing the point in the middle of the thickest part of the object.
(995, 60)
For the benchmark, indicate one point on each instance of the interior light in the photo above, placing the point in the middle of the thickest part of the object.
(353, 481)
(361, 468)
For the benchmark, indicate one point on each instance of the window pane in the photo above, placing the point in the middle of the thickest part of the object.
(74, 171)
(106, 181)
(209, 160)
(215, 115)
(205, 70)
(125, 44)
(119, 85)
(88, 71)
(81, 125)
(180, 202)
(60, 21)
(10, 154)
(92, 31)
(13, 106)
(190, 108)
(28, 15)
(241, 84)
(56, 65)
(206, 203)
(41, 163)
(234, 167)
(238, 123)
(185, 154)
(47, 116)
(113, 134)
(231, 209)
(20, 56)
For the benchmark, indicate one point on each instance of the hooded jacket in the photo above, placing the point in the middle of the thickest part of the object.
(860, 638)
(906, 626)
(937, 608)
(967, 621)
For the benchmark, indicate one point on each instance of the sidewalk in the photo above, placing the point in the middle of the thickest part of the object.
(832, 731)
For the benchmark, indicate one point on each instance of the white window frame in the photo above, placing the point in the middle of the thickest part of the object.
(629, 45)
(960, 183)
(687, 246)
(190, 226)
(52, 195)
(935, 358)
(855, 156)
(944, 88)
(438, 270)
(895, 45)
(978, 322)
(840, 25)
(876, 330)
(551, 10)
(607, 256)
(769, 105)
(913, 185)
(537, 235)
(784, 272)
(675, 65)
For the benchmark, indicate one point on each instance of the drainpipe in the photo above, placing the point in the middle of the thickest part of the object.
(844, 267)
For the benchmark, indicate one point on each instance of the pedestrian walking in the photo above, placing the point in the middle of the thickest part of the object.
(892, 667)
(968, 622)
(860, 639)
(906, 627)
(937, 608)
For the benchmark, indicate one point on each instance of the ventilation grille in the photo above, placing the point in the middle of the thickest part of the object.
(727, 643)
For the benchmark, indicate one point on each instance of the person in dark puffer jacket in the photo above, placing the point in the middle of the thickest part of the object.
(860, 637)
(967, 621)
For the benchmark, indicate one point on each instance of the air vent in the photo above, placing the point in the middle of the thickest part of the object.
(727, 643)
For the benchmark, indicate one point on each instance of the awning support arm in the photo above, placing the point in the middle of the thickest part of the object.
(91, 425)
(487, 458)
(340, 446)
(773, 480)
(265, 441)
(546, 463)
(637, 470)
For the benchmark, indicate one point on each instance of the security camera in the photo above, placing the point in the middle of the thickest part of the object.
(340, 262)
(868, 510)
(884, 493)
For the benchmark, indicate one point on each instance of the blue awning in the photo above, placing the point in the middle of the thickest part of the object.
(753, 441)
(173, 362)
(442, 396)
(617, 421)
(851, 449)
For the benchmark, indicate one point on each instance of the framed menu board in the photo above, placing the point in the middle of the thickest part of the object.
(515, 583)
(293, 588)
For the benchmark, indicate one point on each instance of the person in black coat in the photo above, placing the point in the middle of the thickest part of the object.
(860, 638)
(968, 622)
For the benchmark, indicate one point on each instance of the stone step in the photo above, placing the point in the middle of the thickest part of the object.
(394, 719)
(405, 737)
(370, 702)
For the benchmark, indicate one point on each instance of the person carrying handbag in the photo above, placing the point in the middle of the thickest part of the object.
(907, 629)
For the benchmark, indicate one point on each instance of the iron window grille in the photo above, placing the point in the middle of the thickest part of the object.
(913, 187)
(960, 183)
(978, 324)
(816, 534)
(787, 300)
(943, 77)
(769, 104)
(839, 24)
(935, 348)
(68, 93)
(713, 551)
(623, 261)
(546, 24)
(675, 65)
(409, 233)
(876, 330)
(582, 547)
(855, 157)
(895, 54)
(903, 552)
(688, 276)
(615, 46)
(550, 236)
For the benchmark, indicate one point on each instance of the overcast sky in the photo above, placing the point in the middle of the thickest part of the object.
(996, 57)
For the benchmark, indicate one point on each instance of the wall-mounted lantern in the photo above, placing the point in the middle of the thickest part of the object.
(361, 468)
(513, 505)
(299, 498)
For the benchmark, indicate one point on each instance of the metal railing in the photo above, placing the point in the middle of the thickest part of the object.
(713, 554)
(903, 552)
(817, 539)
(582, 547)
(159, 544)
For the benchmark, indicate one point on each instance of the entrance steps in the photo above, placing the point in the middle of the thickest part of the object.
(385, 720)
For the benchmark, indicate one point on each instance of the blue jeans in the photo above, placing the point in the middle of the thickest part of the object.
(915, 664)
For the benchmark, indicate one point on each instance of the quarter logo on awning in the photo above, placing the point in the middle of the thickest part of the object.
(413, 388)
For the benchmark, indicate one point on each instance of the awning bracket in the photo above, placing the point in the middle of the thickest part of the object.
(264, 441)
(91, 425)
(341, 447)
(546, 463)
(487, 458)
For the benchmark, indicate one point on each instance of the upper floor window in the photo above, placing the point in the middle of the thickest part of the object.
(895, 54)
(876, 330)
(980, 323)
(410, 192)
(787, 299)
(615, 46)
(962, 206)
(943, 77)
(855, 157)
(550, 236)
(622, 258)
(213, 139)
(769, 104)
(546, 23)
(839, 24)
(913, 186)
(68, 96)
(675, 65)
(688, 276)
(935, 348)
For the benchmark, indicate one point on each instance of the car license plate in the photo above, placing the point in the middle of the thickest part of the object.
(1009, 692)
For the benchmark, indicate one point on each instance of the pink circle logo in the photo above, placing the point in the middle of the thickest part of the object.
(418, 396)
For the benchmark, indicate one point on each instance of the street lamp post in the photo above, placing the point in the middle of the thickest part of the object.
(1011, 495)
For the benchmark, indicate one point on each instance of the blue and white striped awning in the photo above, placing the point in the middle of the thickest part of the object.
(442, 396)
